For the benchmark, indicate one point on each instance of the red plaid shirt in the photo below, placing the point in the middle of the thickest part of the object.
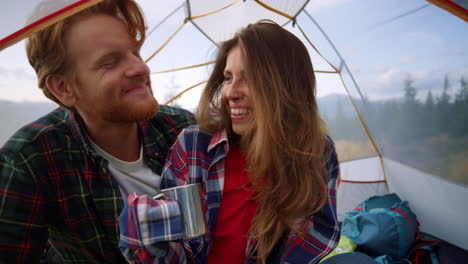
(198, 157)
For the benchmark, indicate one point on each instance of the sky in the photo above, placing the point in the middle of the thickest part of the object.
(380, 48)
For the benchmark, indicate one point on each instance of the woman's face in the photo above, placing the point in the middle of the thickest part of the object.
(236, 93)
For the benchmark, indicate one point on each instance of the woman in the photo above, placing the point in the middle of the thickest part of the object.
(266, 167)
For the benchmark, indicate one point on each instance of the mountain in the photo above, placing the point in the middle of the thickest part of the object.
(14, 115)
(329, 106)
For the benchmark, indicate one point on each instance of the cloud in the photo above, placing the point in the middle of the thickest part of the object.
(19, 84)
(167, 85)
(408, 60)
(23, 74)
(20, 73)
(3, 72)
(389, 83)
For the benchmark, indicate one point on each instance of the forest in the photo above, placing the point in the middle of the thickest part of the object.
(428, 132)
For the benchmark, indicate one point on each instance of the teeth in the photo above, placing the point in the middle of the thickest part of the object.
(239, 111)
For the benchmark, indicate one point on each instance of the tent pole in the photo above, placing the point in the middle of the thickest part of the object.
(366, 128)
(295, 16)
(363, 123)
(191, 19)
(337, 53)
(46, 21)
(164, 20)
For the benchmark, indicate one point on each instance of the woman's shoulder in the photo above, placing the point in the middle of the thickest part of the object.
(195, 138)
(331, 158)
(195, 131)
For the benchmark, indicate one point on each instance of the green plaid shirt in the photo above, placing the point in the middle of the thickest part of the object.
(54, 186)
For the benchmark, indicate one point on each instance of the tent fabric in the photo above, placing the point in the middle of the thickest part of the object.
(235, 17)
(363, 170)
(456, 7)
(360, 179)
(440, 205)
(43, 15)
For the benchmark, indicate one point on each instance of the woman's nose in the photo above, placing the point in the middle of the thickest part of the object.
(234, 90)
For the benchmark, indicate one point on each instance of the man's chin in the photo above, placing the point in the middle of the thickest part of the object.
(138, 112)
(150, 113)
(145, 111)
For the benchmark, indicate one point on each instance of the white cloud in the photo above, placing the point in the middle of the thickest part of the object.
(408, 60)
(19, 73)
(167, 85)
(389, 83)
(3, 72)
(21, 90)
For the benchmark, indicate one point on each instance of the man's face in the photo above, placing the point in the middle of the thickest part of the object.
(110, 81)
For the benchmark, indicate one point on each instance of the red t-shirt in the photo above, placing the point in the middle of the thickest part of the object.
(235, 213)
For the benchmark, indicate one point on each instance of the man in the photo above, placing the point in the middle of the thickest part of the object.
(64, 178)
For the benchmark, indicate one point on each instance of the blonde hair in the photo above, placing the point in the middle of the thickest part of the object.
(46, 49)
(288, 145)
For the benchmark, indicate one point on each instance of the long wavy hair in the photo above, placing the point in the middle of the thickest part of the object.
(286, 148)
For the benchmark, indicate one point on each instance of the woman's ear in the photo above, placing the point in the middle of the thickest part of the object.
(60, 88)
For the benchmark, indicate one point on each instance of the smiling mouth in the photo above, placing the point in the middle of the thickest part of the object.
(239, 113)
(135, 89)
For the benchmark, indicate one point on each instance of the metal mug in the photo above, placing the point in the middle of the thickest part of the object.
(188, 197)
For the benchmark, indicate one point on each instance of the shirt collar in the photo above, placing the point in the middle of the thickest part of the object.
(217, 139)
(79, 133)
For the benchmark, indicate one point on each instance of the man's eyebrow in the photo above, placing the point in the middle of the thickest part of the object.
(105, 56)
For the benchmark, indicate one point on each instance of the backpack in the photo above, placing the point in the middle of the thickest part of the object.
(382, 225)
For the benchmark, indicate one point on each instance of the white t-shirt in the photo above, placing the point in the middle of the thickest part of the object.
(132, 176)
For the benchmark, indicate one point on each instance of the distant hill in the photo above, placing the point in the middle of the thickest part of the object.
(14, 115)
(329, 105)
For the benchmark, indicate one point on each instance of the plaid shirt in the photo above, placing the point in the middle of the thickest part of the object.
(54, 186)
(198, 157)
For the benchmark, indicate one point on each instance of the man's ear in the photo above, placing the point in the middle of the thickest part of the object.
(61, 89)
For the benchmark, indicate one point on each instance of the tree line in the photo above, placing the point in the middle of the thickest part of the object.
(409, 118)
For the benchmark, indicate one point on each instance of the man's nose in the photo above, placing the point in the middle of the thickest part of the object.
(136, 67)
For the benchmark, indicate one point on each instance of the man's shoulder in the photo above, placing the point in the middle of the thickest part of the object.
(171, 111)
(52, 126)
(171, 120)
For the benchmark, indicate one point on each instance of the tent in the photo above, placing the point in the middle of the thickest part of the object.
(392, 84)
